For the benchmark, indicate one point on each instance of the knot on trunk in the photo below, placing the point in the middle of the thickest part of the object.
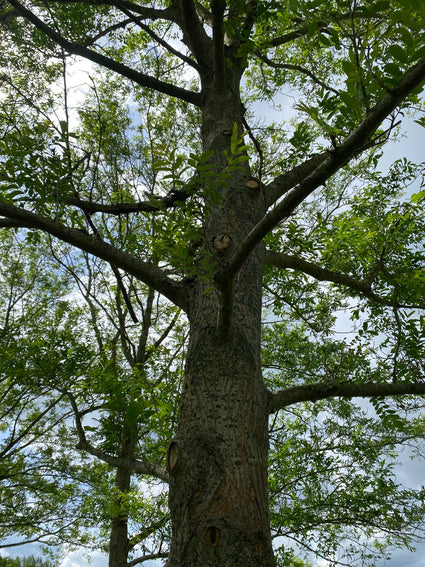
(253, 183)
(172, 455)
(221, 241)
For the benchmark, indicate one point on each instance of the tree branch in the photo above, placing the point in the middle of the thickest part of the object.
(356, 142)
(138, 467)
(298, 68)
(22, 434)
(122, 6)
(145, 12)
(148, 557)
(217, 10)
(320, 391)
(285, 261)
(77, 49)
(193, 33)
(285, 182)
(151, 275)
(295, 34)
(157, 204)
(92, 40)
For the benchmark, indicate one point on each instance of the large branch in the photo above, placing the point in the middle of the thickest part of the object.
(288, 180)
(76, 49)
(143, 11)
(194, 34)
(286, 261)
(151, 275)
(358, 141)
(320, 391)
(217, 9)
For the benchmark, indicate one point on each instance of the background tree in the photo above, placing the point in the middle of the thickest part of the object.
(55, 388)
(167, 178)
(29, 561)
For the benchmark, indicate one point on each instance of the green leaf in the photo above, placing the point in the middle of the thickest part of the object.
(418, 197)
(348, 67)
(234, 140)
(398, 53)
(393, 69)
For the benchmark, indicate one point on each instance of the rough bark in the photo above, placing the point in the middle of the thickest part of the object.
(218, 459)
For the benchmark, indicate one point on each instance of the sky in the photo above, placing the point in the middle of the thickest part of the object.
(411, 145)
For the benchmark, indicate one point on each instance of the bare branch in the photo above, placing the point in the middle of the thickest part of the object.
(148, 557)
(9, 223)
(323, 390)
(77, 49)
(138, 467)
(107, 31)
(298, 68)
(148, 273)
(156, 204)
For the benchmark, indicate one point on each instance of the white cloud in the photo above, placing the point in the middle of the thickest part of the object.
(81, 558)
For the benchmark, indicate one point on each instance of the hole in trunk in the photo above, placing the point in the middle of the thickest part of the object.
(212, 535)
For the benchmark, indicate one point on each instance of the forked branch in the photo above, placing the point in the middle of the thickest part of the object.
(356, 142)
(137, 466)
(288, 180)
(194, 34)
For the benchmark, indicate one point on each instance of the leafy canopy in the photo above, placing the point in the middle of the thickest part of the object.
(92, 356)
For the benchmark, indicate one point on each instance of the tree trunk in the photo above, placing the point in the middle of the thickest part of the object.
(118, 538)
(218, 458)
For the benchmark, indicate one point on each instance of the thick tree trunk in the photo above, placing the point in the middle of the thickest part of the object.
(218, 458)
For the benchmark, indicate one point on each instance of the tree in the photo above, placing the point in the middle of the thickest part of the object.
(222, 215)
(69, 486)
(29, 561)
(43, 493)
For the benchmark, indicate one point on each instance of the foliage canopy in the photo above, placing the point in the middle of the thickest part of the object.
(168, 170)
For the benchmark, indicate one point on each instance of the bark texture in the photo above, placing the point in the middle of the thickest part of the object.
(218, 459)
